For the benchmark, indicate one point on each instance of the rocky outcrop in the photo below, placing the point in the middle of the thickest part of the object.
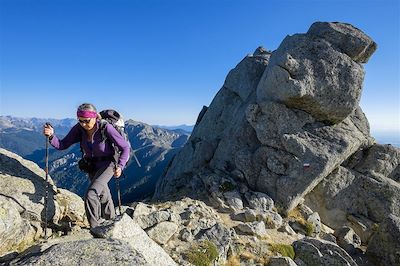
(313, 251)
(350, 40)
(361, 193)
(347, 239)
(283, 120)
(126, 230)
(22, 210)
(119, 242)
(71, 207)
(384, 247)
(312, 72)
(287, 124)
(178, 225)
(15, 232)
(378, 159)
(86, 252)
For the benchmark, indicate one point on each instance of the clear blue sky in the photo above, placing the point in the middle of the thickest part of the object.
(160, 61)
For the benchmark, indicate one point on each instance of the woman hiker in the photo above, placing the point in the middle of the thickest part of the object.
(100, 154)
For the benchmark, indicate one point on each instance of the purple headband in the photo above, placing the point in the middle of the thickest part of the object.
(86, 114)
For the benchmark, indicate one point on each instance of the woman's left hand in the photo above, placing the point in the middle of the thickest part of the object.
(117, 171)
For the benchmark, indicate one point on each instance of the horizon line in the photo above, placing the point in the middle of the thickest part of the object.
(372, 129)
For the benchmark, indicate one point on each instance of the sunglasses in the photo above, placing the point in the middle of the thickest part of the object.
(84, 121)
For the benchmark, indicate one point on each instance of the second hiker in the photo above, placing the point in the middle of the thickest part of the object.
(100, 159)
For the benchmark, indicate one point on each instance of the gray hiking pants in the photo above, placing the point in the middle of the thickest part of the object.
(98, 201)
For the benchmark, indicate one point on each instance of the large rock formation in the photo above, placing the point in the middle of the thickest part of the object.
(288, 124)
(22, 210)
(283, 120)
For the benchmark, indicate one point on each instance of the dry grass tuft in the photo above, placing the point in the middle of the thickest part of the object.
(233, 261)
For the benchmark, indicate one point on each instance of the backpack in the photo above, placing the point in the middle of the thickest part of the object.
(112, 117)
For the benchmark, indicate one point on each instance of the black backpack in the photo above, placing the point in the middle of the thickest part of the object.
(116, 120)
(112, 117)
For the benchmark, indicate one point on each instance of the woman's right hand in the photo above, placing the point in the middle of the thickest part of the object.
(48, 130)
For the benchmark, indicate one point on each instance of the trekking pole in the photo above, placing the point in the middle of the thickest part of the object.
(118, 187)
(136, 159)
(119, 195)
(47, 185)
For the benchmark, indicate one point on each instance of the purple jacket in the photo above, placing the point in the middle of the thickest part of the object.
(98, 148)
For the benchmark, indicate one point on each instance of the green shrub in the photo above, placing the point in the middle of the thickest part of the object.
(375, 227)
(203, 254)
(284, 250)
(310, 228)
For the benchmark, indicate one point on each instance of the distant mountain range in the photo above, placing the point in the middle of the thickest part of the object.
(23, 135)
(154, 147)
(186, 128)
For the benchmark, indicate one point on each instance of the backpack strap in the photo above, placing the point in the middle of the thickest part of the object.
(104, 137)
(80, 146)
(103, 125)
